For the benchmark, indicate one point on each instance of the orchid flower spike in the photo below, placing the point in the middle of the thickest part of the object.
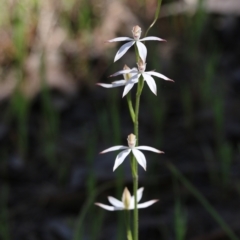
(131, 148)
(128, 81)
(136, 39)
(127, 202)
(147, 76)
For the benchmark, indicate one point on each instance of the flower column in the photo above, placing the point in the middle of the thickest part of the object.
(131, 77)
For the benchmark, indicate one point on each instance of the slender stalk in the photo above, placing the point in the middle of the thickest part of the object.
(135, 165)
(134, 117)
(129, 101)
(136, 52)
(135, 211)
(129, 232)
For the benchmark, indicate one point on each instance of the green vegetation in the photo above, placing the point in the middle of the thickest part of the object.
(197, 89)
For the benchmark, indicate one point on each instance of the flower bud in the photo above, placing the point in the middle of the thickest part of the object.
(141, 65)
(136, 32)
(127, 76)
(131, 140)
(126, 198)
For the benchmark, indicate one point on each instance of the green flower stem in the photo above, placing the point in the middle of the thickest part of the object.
(135, 211)
(136, 52)
(142, 83)
(132, 162)
(129, 232)
(135, 165)
(129, 101)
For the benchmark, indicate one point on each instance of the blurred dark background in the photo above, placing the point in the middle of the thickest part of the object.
(54, 120)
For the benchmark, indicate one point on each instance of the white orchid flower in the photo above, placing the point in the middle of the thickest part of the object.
(136, 39)
(127, 202)
(128, 81)
(131, 148)
(147, 76)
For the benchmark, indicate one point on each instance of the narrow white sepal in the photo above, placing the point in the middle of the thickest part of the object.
(140, 158)
(149, 149)
(123, 49)
(135, 77)
(115, 148)
(146, 204)
(159, 75)
(106, 207)
(139, 194)
(139, 197)
(120, 158)
(112, 85)
(129, 84)
(152, 38)
(127, 88)
(119, 39)
(119, 82)
(121, 72)
(150, 82)
(134, 70)
(105, 85)
(115, 202)
(142, 50)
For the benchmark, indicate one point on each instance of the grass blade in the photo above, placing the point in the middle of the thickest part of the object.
(156, 16)
(203, 201)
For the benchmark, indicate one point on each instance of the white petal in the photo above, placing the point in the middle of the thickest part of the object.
(135, 77)
(130, 84)
(113, 85)
(142, 50)
(123, 49)
(134, 70)
(107, 207)
(149, 149)
(127, 88)
(150, 82)
(139, 196)
(119, 39)
(115, 202)
(152, 38)
(105, 85)
(121, 72)
(159, 75)
(146, 204)
(122, 82)
(115, 148)
(131, 207)
(120, 158)
(140, 158)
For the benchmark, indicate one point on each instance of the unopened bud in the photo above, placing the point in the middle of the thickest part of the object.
(136, 32)
(141, 65)
(131, 140)
(126, 198)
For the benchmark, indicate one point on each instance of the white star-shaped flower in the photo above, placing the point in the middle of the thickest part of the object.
(131, 148)
(127, 202)
(147, 76)
(136, 39)
(128, 81)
